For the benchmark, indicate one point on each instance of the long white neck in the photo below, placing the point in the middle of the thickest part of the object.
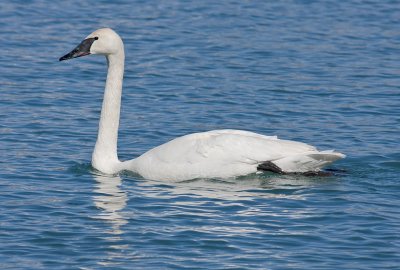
(105, 157)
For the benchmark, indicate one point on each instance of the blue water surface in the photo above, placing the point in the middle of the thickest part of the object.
(322, 72)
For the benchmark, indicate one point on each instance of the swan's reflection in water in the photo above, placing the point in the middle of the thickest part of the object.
(111, 200)
(243, 188)
(254, 193)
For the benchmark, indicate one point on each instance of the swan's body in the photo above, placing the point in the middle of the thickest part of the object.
(217, 153)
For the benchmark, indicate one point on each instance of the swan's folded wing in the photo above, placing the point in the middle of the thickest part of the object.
(220, 153)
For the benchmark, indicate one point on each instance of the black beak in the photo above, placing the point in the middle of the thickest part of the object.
(81, 50)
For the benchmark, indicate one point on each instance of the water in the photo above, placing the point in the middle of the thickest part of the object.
(326, 73)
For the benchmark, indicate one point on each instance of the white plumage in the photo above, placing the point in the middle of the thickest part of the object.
(226, 153)
(217, 153)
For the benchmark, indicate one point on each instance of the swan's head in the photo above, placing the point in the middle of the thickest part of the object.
(103, 41)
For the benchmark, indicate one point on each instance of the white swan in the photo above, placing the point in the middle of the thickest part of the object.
(217, 153)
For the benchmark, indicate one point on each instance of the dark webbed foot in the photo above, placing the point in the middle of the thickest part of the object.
(269, 167)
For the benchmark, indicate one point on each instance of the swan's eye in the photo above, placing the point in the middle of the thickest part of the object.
(96, 38)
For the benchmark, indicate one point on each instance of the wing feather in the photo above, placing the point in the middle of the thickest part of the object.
(217, 152)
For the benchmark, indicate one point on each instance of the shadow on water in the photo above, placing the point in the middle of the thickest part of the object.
(81, 169)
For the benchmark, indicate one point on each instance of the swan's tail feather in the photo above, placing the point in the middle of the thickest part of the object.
(306, 162)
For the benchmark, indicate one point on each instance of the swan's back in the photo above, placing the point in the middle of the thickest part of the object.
(217, 153)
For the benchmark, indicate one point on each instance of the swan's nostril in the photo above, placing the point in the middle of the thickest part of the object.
(96, 38)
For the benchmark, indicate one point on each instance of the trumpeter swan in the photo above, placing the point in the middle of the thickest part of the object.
(217, 153)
